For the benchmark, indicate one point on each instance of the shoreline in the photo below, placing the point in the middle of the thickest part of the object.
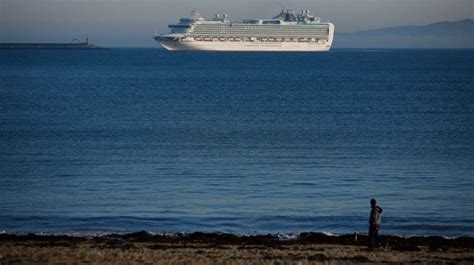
(212, 248)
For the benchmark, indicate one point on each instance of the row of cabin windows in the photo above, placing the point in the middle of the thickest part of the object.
(259, 26)
(265, 32)
(258, 36)
(232, 30)
(254, 29)
(262, 33)
(264, 39)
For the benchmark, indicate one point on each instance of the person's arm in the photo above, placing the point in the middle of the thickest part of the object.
(379, 209)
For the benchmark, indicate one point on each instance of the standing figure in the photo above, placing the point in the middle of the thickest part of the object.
(374, 224)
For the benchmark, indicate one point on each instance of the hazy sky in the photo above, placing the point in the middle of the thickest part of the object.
(118, 23)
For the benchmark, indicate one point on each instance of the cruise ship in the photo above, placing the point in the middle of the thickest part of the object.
(288, 31)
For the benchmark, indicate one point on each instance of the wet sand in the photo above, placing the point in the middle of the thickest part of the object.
(202, 248)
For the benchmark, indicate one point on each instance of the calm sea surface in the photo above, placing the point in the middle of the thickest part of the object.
(144, 139)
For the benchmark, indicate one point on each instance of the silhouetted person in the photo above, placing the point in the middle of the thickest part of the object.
(374, 224)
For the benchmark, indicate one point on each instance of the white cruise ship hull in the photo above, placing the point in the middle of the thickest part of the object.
(288, 32)
(190, 44)
(242, 46)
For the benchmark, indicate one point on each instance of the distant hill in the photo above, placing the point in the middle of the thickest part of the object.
(458, 34)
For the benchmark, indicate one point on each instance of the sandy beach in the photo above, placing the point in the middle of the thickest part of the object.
(202, 248)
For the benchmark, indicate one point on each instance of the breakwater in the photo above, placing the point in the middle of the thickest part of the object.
(54, 46)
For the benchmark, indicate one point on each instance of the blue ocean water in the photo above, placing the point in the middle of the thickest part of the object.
(144, 139)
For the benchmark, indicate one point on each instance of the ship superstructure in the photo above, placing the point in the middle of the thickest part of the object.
(288, 31)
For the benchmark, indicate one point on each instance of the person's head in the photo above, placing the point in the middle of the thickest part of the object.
(373, 202)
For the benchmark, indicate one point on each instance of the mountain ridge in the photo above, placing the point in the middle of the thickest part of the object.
(442, 34)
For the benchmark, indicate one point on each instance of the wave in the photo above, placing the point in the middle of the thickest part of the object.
(312, 235)
(269, 240)
(285, 227)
